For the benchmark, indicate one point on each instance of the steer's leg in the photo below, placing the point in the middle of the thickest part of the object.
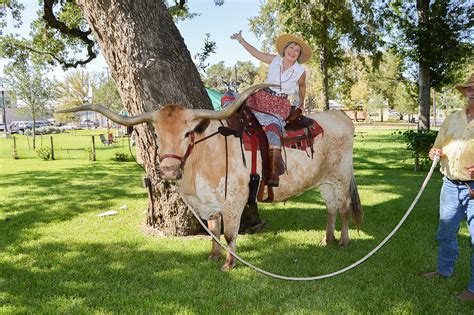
(344, 212)
(231, 231)
(215, 227)
(327, 192)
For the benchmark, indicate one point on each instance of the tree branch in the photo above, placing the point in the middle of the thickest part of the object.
(53, 22)
(62, 61)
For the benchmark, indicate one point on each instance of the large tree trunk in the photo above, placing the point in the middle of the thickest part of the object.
(423, 66)
(151, 66)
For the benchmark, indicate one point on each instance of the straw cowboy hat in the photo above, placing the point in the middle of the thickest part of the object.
(469, 83)
(306, 50)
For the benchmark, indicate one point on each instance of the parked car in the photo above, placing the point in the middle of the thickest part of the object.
(18, 127)
(2, 128)
(89, 124)
(21, 126)
(70, 126)
(38, 124)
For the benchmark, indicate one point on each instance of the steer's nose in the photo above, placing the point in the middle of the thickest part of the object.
(170, 172)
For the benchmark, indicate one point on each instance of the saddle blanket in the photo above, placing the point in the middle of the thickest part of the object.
(299, 139)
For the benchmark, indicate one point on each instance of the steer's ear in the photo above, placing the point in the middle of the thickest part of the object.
(201, 125)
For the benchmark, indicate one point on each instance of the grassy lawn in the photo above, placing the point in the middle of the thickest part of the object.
(56, 256)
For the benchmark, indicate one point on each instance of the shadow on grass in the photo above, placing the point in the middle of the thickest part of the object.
(119, 277)
(172, 275)
(379, 220)
(97, 276)
(77, 190)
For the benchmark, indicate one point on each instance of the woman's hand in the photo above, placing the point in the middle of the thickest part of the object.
(237, 36)
(301, 106)
(436, 151)
(470, 170)
(263, 57)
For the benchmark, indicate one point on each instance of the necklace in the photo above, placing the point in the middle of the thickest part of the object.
(288, 75)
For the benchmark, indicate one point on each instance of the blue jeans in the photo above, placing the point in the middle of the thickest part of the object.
(454, 206)
(266, 120)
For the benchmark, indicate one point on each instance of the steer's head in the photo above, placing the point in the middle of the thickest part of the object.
(176, 129)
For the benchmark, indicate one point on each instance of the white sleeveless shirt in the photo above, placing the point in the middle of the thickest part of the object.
(288, 79)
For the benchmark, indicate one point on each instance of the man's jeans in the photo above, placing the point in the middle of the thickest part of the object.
(454, 206)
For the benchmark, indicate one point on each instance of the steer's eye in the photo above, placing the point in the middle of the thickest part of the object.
(186, 134)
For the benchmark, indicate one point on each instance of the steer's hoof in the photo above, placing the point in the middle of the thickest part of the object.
(327, 241)
(214, 256)
(343, 242)
(227, 267)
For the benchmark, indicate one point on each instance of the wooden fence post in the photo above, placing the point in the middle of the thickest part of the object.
(93, 148)
(14, 152)
(52, 148)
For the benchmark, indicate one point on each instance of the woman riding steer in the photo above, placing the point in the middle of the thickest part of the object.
(272, 106)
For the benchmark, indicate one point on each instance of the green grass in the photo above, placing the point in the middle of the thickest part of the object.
(56, 256)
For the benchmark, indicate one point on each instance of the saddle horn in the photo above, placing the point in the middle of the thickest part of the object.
(232, 108)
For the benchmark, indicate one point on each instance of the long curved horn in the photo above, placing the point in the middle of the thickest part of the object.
(229, 110)
(127, 121)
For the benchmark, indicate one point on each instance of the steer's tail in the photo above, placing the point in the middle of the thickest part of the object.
(356, 207)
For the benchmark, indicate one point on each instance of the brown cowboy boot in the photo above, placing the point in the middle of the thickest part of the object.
(277, 167)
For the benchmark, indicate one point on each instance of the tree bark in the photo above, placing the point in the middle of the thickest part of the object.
(152, 67)
(423, 66)
(251, 222)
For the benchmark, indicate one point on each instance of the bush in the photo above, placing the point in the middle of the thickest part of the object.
(120, 157)
(44, 153)
(46, 130)
(419, 142)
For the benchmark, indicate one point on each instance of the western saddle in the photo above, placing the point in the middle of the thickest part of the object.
(300, 134)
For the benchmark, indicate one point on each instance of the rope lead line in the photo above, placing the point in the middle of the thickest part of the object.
(333, 274)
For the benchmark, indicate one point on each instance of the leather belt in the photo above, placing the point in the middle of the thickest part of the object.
(466, 183)
(270, 91)
(461, 182)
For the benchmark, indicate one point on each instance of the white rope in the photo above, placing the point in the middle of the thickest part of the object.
(329, 275)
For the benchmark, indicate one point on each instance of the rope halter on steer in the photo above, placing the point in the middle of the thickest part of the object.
(189, 150)
(183, 158)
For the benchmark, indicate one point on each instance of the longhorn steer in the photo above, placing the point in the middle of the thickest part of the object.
(200, 171)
